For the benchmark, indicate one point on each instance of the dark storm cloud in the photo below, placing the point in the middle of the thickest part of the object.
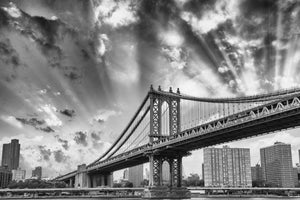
(78, 13)
(199, 7)
(32, 121)
(72, 75)
(68, 112)
(59, 156)
(9, 60)
(100, 121)
(81, 138)
(36, 123)
(47, 129)
(8, 53)
(47, 34)
(45, 153)
(64, 143)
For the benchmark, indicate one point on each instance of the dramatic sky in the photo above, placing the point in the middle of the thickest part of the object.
(73, 72)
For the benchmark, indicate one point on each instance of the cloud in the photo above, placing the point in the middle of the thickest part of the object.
(171, 38)
(43, 91)
(65, 143)
(81, 138)
(104, 114)
(96, 139)
(72, 75)
(68, 112)
(9, 60)
(59, 156)
(96, 136)
(32, 121)
(211, 18)
(51, 118)
(103, 44)
(45, 153)
(177, 57)
(36, 123)
(116, 13)
(47, 129)
(12, 10)
(12, 121)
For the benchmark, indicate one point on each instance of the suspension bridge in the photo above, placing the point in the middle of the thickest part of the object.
(169, 125)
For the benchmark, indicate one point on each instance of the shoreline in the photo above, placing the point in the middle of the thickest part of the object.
(196, 195)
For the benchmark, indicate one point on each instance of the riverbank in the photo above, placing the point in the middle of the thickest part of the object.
(238, 196)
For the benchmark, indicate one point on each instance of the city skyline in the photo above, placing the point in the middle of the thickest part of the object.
(72, 74)
(121, 173)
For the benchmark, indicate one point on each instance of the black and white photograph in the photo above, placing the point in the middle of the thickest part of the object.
(150, 99)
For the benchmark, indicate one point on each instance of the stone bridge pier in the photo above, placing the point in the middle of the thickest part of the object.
(103, 179)
(83, 179)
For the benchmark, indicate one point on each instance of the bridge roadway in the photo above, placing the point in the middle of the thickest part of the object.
(274, 116)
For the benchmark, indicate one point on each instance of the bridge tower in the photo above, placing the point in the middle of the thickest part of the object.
(173, 156)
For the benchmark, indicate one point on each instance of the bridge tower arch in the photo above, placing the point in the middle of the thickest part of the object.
(173, 157)
(157, 100)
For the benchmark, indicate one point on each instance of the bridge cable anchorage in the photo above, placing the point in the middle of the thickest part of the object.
(124, 131)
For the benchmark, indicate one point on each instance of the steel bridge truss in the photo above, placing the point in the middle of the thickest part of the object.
(204, 117)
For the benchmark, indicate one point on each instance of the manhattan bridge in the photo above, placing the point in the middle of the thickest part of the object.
(168, 125)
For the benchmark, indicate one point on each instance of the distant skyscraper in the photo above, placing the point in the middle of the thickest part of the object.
(203, 171)
(227, 167)
(125, 174)
(37, 172)
(276, 163)
(11, 154)
(18, 174)
(295, 176)
(299, 155)
(135, 175)
(256, 173)
(5, 177)
(147, 174)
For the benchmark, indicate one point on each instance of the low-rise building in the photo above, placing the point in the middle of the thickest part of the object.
(18, 174)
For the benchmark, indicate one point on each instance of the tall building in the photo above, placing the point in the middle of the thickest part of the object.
(11, 154)
(18, 174)
(203, 171)
(37, 173)
(135, 175)
(125, 174)
(299, 155)
(147, 174)
(5, 176)
(276, 163)
(227, 167)
(256, 173)
(295, 176)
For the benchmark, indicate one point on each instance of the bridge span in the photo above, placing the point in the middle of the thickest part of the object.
(168, 125)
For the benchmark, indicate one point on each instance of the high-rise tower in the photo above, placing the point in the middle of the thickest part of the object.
(276, 163)
(11, 154)
(227, 167)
